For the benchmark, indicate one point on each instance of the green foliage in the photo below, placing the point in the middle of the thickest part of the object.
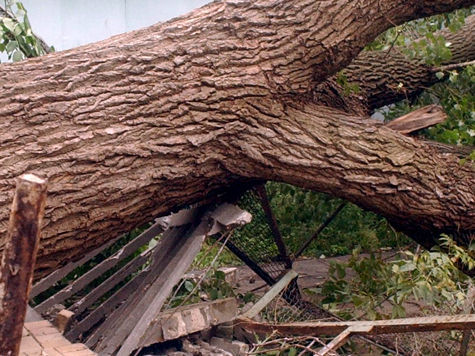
(456, 94)
(457, 97)
(17, 39)
(348, 88)
(370, 283)
(300, 212)
(432, 49)
(208, 253)
(213, 286)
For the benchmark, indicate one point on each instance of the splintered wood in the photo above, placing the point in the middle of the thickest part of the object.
(418, 119)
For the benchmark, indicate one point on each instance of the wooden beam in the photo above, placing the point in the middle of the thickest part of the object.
(433, 323)
(127, 325)
(271, 294)
(18, 260)
(174, 266)
(111, 282)
(116, 327)
(105, 310)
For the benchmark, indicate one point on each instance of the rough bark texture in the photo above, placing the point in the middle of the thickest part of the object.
(145, 122)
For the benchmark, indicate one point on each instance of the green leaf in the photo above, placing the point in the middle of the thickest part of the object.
(220, 275)
(439, 75)
(11, 46)
(407, 267)
(188, 286)
(292, 351)
(17, 56)
(9, 24)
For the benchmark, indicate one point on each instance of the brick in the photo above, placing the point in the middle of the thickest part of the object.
(50, 351)
(55, 340)
(72, 347)
(29, 345)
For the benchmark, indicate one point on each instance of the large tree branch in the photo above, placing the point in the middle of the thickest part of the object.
(385, 78)
(358, 159)
(135, 126)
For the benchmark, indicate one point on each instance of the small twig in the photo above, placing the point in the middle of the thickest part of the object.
(452, 66)
(306, 348)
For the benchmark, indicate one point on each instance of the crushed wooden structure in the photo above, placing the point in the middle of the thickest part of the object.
(132, 317)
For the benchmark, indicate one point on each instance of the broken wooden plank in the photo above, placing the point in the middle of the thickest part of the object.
(433, 323)
(181, 321)
(172, 265)
(342, 338)
(271, 294)
(107, 308)
(419, 119)
(118, 325)
(59, 274)
(226, 217)
(110, 282)
(335, 343)
(18, 260)
(102, 267)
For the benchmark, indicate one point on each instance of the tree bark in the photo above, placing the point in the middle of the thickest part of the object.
(145, 122)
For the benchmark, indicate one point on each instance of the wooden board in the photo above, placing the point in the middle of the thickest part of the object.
(433, 323)
(271, 294)
(60, 273)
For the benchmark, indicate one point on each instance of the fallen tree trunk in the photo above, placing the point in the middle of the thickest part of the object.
(145, 122)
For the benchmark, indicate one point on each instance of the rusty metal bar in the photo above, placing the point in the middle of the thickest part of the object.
(261, 192)
(319, 230)
(18, 260)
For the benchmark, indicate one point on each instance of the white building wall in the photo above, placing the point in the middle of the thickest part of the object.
(66, 24)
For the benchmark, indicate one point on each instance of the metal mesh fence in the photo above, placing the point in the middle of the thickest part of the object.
(255, 244)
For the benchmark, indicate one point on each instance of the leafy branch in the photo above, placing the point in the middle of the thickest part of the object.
(17, 38)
